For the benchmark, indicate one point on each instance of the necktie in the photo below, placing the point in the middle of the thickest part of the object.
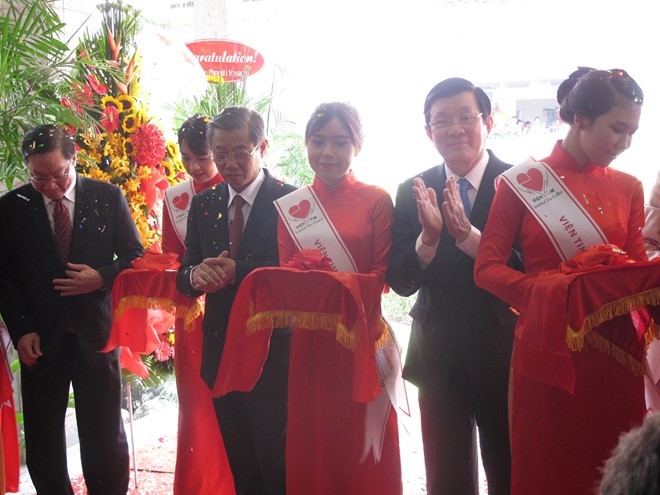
(62, 230)
(463, 187)
(236, 227)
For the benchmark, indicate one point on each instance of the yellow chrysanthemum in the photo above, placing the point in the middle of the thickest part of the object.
(142, 172)
(139, 198)
(127, 103)
(131, 185)
(94, 157)
(117, 145)
(92, 140)
(121, 166)
(97, 173)
(131, 123)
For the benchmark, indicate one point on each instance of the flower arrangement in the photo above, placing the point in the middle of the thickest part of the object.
(165, 350)
(128, 147)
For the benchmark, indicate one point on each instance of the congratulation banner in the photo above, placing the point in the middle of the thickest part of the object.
(226, 60)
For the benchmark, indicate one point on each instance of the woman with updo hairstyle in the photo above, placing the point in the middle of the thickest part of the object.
(197, 160)
(574, 389)
(201, 461)
(329, 449)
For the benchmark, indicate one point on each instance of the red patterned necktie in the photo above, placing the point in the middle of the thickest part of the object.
(236, 227)
(62, 230)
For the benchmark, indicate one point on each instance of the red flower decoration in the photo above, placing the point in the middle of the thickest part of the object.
(82, 94)
(71, 129)
(99, 89)
(70, 104)
(110, 119)
(149, 145)
(164, 351)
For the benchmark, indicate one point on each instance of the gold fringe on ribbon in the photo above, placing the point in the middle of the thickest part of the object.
(620, 356)
(143, 302)
(188, 313)
(385, 331)
(575, 339)
(331, 322)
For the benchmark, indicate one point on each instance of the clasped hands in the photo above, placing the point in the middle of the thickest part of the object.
(432, 220)
(214, 274)
(82, 279)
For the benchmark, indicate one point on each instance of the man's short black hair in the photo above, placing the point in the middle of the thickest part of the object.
(453, 86)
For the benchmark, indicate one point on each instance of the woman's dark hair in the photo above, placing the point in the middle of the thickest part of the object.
(232, 118)
(46, 138)
(345, 113)
(591, 93)
(193, 133)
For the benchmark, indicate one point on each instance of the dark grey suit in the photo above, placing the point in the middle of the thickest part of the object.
(253, 424)
(105, 238)
(459, 349)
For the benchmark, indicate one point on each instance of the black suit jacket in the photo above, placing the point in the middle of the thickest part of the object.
(104, 237)
(208, 236)
(458, 321)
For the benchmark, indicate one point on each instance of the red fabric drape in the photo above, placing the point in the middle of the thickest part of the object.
(8, 425)
(261, 304)
(147, 304)
(568, 307)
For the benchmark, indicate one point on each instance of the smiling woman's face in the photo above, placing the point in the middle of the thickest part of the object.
(330, 152)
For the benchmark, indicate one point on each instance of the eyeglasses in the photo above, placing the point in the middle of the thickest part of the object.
(238, 156)
(42, 179)
(463, 121)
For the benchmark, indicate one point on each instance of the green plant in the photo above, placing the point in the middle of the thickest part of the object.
(286, 149)
(396, 308)
(144, 389)
(36, 70)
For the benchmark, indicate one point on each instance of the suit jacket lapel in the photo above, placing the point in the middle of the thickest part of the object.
(80, 218)
(263, 202)
(484, 197)
(39, 216)
(220, 227)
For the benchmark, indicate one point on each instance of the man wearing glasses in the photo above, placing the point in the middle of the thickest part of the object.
(232, 229)
(461, 336)
(64, 239)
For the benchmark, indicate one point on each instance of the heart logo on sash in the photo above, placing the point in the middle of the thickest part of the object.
(533, 179)
(300, 210)
(181, 201)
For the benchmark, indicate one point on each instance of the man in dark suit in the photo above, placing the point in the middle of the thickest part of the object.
(218, 257)
(461, 337)
(64, 240)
